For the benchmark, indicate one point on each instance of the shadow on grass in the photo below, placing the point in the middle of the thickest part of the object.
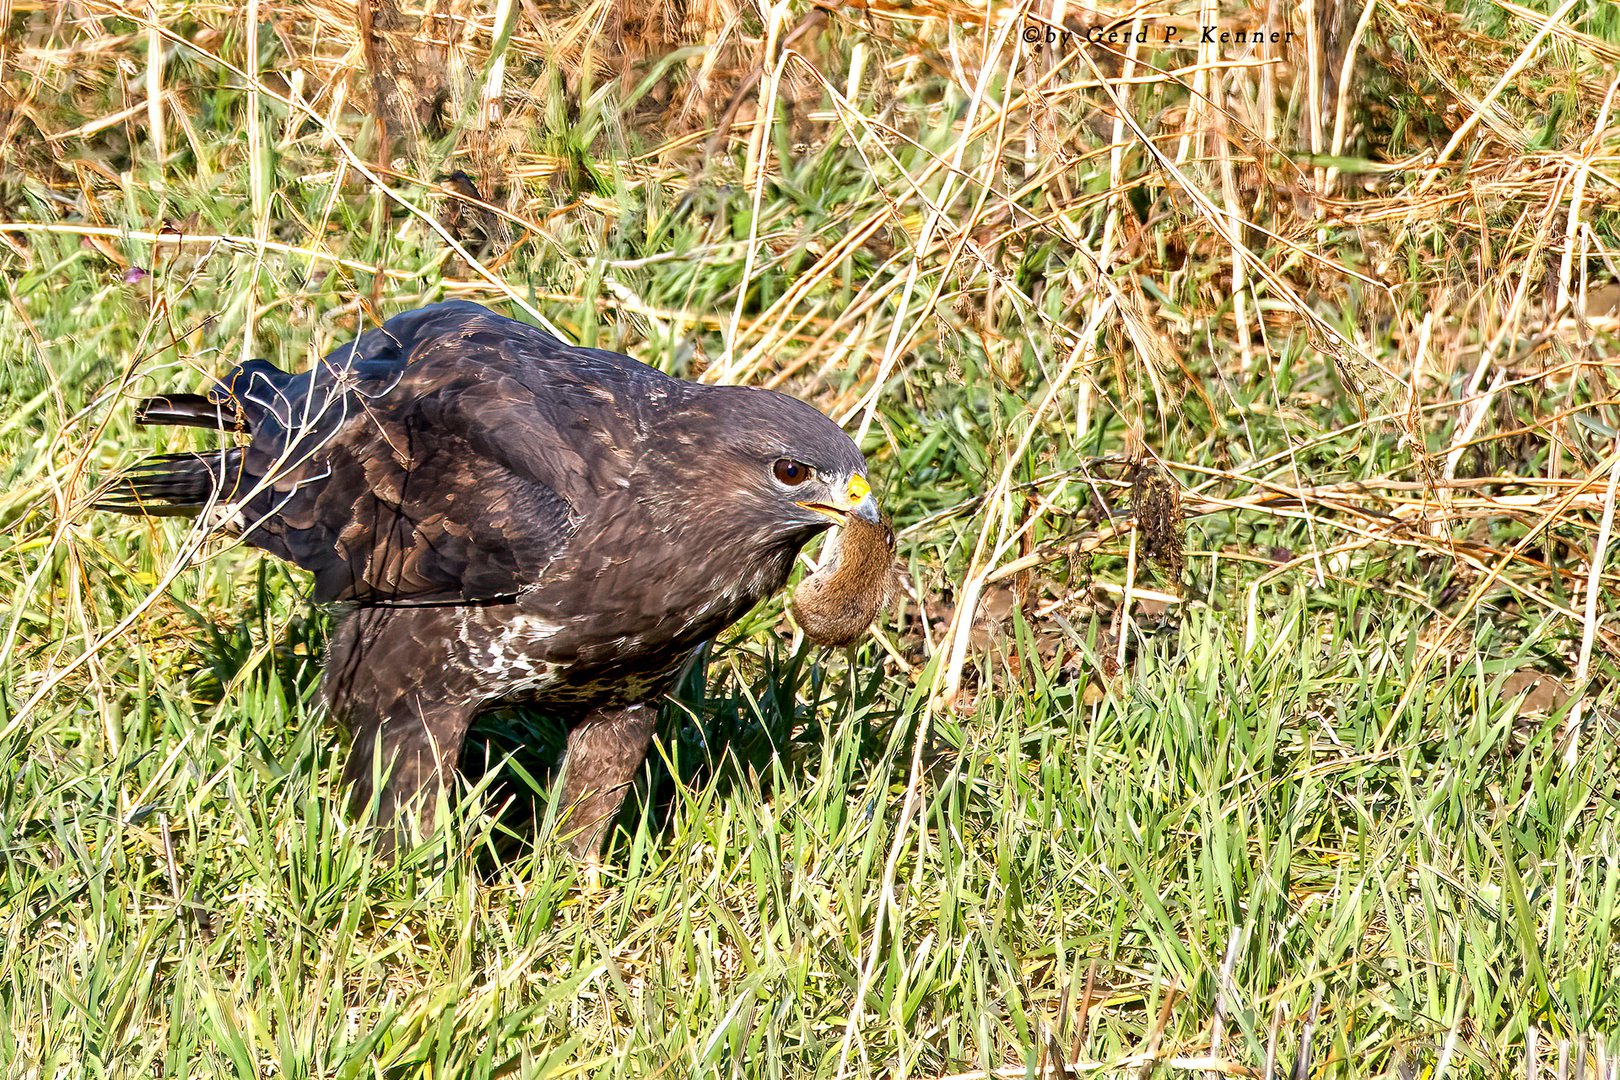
(715, 728)
(229, 647)
(713, 731)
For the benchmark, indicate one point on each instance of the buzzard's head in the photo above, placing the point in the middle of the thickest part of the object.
(833, 492)
(781, 471)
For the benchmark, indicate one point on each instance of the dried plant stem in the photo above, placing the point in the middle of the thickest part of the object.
(1589, 615)
(1465, 130)
(360, 166)
(154, 90)
(494, 89)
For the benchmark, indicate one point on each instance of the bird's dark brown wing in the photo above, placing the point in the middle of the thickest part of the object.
(451, 463)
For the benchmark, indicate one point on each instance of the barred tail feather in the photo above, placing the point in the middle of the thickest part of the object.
(174, 485)
(187, 410)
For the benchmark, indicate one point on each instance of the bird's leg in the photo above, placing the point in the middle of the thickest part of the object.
(408, 718)
(410, 756)
(604, 751)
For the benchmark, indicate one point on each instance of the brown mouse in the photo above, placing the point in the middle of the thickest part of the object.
(836, 603)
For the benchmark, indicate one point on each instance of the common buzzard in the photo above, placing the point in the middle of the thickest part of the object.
(500, 517)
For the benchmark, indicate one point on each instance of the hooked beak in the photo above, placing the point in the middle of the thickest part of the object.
(858, 501)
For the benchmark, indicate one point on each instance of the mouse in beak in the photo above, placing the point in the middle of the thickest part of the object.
(856, 578)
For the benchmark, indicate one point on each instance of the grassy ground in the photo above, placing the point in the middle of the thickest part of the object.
(1307, 767)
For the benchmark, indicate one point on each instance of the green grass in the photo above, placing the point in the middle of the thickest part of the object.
(1311, 822)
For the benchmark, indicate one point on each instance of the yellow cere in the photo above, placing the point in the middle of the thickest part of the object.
(858, 489)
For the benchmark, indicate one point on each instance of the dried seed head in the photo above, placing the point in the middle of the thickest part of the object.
(1157, 500)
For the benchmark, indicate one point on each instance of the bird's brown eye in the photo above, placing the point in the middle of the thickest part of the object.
(790, 472)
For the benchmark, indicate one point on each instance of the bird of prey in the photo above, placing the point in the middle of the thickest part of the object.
(502, 517)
